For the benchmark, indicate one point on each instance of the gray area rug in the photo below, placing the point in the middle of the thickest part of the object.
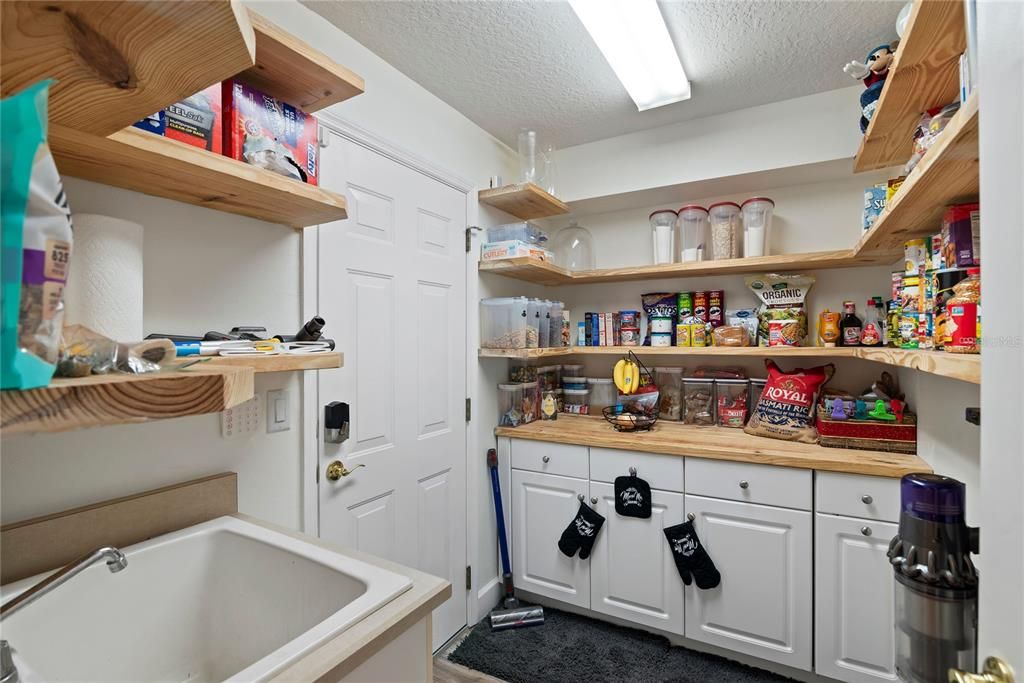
(570, 648)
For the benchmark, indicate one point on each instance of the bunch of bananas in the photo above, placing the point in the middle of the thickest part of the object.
(627, 376)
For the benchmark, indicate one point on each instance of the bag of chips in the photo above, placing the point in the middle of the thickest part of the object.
(782, 297)
(36, 243)
(786, 407)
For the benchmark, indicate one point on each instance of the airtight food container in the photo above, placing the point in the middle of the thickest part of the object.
(663, 235)
(576, 401)
(726, 223)
(503, 323)
(602, 393)
(757, 225)
(693, 227)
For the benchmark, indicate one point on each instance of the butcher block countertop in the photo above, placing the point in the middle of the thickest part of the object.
(716, 443)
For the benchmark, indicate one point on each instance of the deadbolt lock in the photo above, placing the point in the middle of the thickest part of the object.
(336, 470)
(995, 671)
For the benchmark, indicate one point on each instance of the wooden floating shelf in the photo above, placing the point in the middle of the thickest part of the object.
(925, 74)
(545, 273)
(947, 174)
(966, 367)
(525, 201)
(74, 403)
(117, 62)
(291, 70)
(137, 160)
(717, 443)
(281, 363)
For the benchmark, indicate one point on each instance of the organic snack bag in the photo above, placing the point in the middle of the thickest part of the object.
(786, 407)
(782, 297)
(36, 243)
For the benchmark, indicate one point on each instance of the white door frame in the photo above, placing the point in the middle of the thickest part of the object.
(311, 404)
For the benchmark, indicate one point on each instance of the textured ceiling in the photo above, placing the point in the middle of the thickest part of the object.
(506, 64)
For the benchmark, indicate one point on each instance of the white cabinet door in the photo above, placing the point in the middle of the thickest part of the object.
(632, 573)
(854, 634)
(762, 607)
(542, 506)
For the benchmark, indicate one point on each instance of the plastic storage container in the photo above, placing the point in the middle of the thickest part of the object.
(524, 232)
(756, 387)
(549, 377)
(503, 323)
(693, 230)
(663, 235)
(556, 311)
(569, 370)
(531, 401)
(545, 324)
(573, 382)
(698, 401)
(602, 393)
(510, 405)
(577, 401)
(533, 315)
(732, 401)
(670, 389)
(518, 374)
(757, 225)
(726, 230)
(574, 248)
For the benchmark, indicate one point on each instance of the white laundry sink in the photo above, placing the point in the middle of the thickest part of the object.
(222, 600)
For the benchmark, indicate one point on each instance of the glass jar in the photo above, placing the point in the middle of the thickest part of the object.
(757, 225)
(732, 401)
(510, 405)
(670, 389)
(602, 393)
(693, 229)
(726, 227)
(698, 401)
(574, 248)
(663, 235)
(530, 402)
(962, 315)
(577, 401)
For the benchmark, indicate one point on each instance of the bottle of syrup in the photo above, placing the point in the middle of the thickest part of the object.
(850, 327)
(872, 333)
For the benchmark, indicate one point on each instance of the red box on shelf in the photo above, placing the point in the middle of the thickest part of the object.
(266, 132)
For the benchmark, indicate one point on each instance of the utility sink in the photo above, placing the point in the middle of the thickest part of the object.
(227, 599)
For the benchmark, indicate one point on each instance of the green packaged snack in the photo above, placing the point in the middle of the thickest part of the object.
(36, 243)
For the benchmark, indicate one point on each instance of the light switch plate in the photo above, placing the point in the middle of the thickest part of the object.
(278, 419)
(244, 418)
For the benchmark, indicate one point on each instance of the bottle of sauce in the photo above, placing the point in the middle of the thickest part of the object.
(828, 328)
(850, 327)
(872, 332)
(961, 335)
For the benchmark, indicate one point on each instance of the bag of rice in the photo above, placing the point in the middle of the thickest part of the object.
(36, 243)
(786, 407)
(782, 297)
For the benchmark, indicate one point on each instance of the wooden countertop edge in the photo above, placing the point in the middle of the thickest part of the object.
(857, 462)
(343, 653)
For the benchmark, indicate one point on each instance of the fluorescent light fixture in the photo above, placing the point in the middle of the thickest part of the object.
(634, 39)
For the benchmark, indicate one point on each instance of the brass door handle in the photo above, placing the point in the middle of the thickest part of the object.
(336, 470)
(995, 671)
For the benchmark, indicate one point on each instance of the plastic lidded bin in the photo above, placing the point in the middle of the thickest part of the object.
(726, 223)
(531, 401)
(544, 339)
(571, 370)
(510, 405)
(577, 401)
(693, 228)
(757, 225)
(533, 314)
(698, 401)
(732, 401)
(756, 387)
(670, 388)
(557, 313)
(503, 323)
(663, 235)
(549, 377)
(524, 232)
(602, 393)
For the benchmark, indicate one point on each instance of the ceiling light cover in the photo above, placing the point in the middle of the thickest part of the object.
(634, 39)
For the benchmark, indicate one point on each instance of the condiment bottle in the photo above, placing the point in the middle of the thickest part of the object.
(850, 326)
(872, 333)
(962, 315)
(828, 328)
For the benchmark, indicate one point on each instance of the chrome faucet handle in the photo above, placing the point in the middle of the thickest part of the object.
(8, 672)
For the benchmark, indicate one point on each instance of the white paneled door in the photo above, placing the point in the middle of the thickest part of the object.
(392, 289)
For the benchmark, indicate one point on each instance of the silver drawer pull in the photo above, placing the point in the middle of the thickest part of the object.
(632, 471)
(546, 458)
(866, 499)
(593, 501)
(866, 530)
(744, 484)
(581, 498)
(690, 516)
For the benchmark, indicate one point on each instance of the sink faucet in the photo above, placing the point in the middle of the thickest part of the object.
(116, 561)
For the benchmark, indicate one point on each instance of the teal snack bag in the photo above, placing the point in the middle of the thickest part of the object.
(36, 225)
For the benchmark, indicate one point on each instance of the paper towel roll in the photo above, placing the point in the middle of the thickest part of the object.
(104, 287)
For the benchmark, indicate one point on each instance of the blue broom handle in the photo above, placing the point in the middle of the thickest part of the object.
(502, 543)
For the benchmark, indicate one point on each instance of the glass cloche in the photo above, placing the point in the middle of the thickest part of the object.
(574, 248)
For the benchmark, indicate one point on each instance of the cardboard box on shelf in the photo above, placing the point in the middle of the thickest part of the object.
(196, 120)
(495, 251)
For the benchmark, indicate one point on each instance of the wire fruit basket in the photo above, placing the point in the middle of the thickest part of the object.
(634, 412)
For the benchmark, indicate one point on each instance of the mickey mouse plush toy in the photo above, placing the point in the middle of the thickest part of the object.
(874, 73)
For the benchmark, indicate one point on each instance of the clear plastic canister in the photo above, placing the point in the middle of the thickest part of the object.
(670, 389)
(531, 401)
(726, 229)
(663, 235)
(533, 315)
(693, 229)
(510, 405)
(557, 313)
(602, 393)
(545, 325)
(757, 225)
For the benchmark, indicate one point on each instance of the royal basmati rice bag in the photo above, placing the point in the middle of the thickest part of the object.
(786, 407)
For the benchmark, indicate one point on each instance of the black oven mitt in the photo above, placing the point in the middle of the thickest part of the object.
(691, 557)
(581, 532)
(632, 497)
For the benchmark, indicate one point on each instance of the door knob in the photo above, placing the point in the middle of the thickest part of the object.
(581, 498)
(593, 501)
(744, 484)
(336, 470)
(866, 499)
(995, 671)
(690, 516)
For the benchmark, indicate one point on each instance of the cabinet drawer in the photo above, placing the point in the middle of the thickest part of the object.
(764, 484)
(858, 495)
(550, 458)
(663, 472)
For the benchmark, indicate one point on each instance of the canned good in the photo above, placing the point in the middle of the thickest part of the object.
(684, 308)
(661, 339)
(914, 256)
(683, 334)
(700, 306)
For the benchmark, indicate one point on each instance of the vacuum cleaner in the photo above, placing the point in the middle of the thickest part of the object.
(509, 613)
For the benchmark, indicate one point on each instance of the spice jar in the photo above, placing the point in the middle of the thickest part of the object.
(732, 402)
(961, 335)
(698, 401)
(670, 388)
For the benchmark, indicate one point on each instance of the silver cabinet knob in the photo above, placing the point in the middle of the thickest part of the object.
(866, 499)
(632, 471)
(593, 501)
(546, 458)
(866, 530)
(581, 498)
(690, 516)
(744, 484)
